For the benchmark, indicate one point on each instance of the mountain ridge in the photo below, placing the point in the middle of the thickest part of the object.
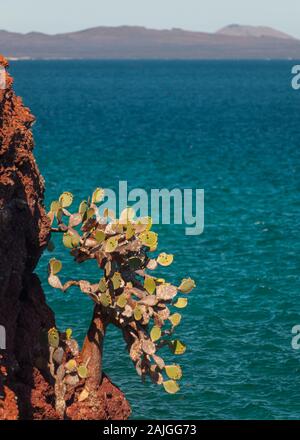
(138, 42)
(253, 31)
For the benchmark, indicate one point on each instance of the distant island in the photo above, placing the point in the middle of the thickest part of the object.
(134, 42)
(236, 30)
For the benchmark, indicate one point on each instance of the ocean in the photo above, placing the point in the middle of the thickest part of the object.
(231, 128)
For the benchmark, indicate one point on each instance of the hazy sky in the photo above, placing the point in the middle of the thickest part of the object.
(53, 16)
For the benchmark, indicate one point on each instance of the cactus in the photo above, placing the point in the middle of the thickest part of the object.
(175, 319)
(98, 195)
(58, 355)
(150, 285)
(177, 347)
(55, 266)
(138, 313)
(82, 371)
(122, 301)
(53, 337)
(164, 259)
(66, 199)
(171, 386)
(117, 280)
(71, 366)
(99, 236)
(181, 303)
(155, 333)
(68, 333)
(125, 295)
(187, 285)
(55, 206)
(111, 245)
(173, 372)
(149, 239)
(83, 207)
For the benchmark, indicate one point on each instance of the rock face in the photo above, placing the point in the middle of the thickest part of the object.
(26, 389)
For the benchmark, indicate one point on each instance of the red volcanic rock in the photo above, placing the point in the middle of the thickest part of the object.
(24, 232)
(26, 386)
(108, 403)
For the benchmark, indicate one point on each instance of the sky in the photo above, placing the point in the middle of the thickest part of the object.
(56, 16)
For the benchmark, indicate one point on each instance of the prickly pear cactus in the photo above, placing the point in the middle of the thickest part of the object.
(142, 305)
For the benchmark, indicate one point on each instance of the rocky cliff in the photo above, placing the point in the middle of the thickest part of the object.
(26, 387)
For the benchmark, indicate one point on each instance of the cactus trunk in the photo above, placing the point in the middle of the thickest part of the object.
(93, 349)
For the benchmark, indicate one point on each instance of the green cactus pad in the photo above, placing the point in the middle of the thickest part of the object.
(55, 206)
(122, 301)
(165, 259)
(177, 347)
(83, 207)
(82, 371)
(53, 337)
(98, 195)
(71, 365)
(171, 386)
(55, 266)
(187, 285)
(137, 313)
(129, 231)
(150, 285)
(105, 299)
(102, 285)
(67, 241)
(69, 333)
(116, 280)
(155, 333)
(181, 303)
(70, 241)
(90, 213)
(99, 236)
(66, 199)
(173, 372)
(175, 319)
(111, 245)
(148, 239)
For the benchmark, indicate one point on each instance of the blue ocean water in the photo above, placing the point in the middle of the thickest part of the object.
(233, 129)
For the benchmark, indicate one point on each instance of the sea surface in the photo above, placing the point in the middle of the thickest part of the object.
(231, 128)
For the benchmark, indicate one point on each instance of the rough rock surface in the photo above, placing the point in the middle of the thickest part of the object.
(26, 388)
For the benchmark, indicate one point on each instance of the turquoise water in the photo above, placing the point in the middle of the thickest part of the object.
(233, 129)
